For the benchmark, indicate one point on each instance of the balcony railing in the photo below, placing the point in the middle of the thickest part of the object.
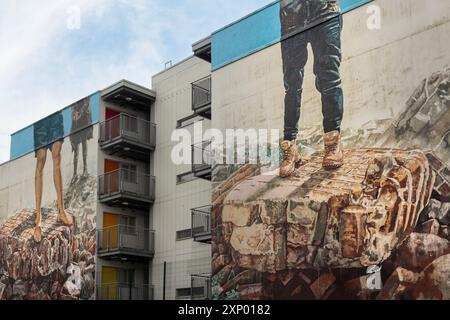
(123, 291)
(200, 287)
(128, 135)
(126, 186)
(201, 224)
(202, 160)
(201, 97)
(120, 241)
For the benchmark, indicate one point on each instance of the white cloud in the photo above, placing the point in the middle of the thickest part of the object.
(26, 33)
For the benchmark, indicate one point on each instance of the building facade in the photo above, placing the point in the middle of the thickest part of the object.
(182, 207)
(146, 227)
(108, 161)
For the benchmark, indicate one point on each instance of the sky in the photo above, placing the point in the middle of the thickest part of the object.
(53, 53)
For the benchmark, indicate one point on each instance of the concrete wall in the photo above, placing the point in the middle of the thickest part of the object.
(171, 211)
(380, 69)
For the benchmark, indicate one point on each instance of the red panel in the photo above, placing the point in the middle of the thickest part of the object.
(109, 113)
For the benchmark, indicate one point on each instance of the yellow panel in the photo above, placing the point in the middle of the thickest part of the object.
(109, 283)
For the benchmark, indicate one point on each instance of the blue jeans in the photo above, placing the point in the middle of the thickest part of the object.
(48, 130)
(325, 40)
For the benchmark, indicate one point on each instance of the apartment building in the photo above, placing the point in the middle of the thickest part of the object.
(143, 223)
(120, 187)
(126, 192)
(181, 213)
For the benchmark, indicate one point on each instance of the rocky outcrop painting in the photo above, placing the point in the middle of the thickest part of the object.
(321, 235)
(377, 228)
(62, 265)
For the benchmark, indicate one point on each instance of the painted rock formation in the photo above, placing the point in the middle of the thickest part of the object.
(62, 265)
(368, 230)
(352, 217)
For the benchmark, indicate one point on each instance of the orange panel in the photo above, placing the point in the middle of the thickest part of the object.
(110, 231)
(112, 179)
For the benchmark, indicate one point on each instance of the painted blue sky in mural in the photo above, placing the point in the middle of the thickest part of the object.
(46, 66)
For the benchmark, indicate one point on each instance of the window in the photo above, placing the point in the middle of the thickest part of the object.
(126, 277)
(198, 291)
(185, 177)
(129, 173)
(128, 224)
(184, 234)
(184, 293)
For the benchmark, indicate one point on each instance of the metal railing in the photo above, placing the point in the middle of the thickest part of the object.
(124, 291)
(201, 221)
(128, 127)
(129, 182)
(201, 156)
(200, 287)
(201, 93)
(126, 238)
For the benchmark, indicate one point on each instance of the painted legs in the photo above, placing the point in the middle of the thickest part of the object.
(75, 160)
(41, 156)
(57, 179)
(325, 41)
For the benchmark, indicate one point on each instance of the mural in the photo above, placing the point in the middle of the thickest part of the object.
(48, 242)
(48, 134)
(356, 210)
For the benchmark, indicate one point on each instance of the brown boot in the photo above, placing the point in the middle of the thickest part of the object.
(334, 156)
(291, 158)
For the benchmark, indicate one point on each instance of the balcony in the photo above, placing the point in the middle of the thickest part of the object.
(200, 287)
(202, 160)
(125, 188)
(201, 97)
(201, 224)
(129, 95)
(126, 243)
(128, 137)
(123, 291)
(202, 49)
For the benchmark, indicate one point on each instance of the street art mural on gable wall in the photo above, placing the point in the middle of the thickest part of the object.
(375, 226)
(48, 208)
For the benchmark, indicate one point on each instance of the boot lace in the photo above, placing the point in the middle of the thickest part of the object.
(331, 148)
(287, 154)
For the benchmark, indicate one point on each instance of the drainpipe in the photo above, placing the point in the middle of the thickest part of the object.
(164, 280)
